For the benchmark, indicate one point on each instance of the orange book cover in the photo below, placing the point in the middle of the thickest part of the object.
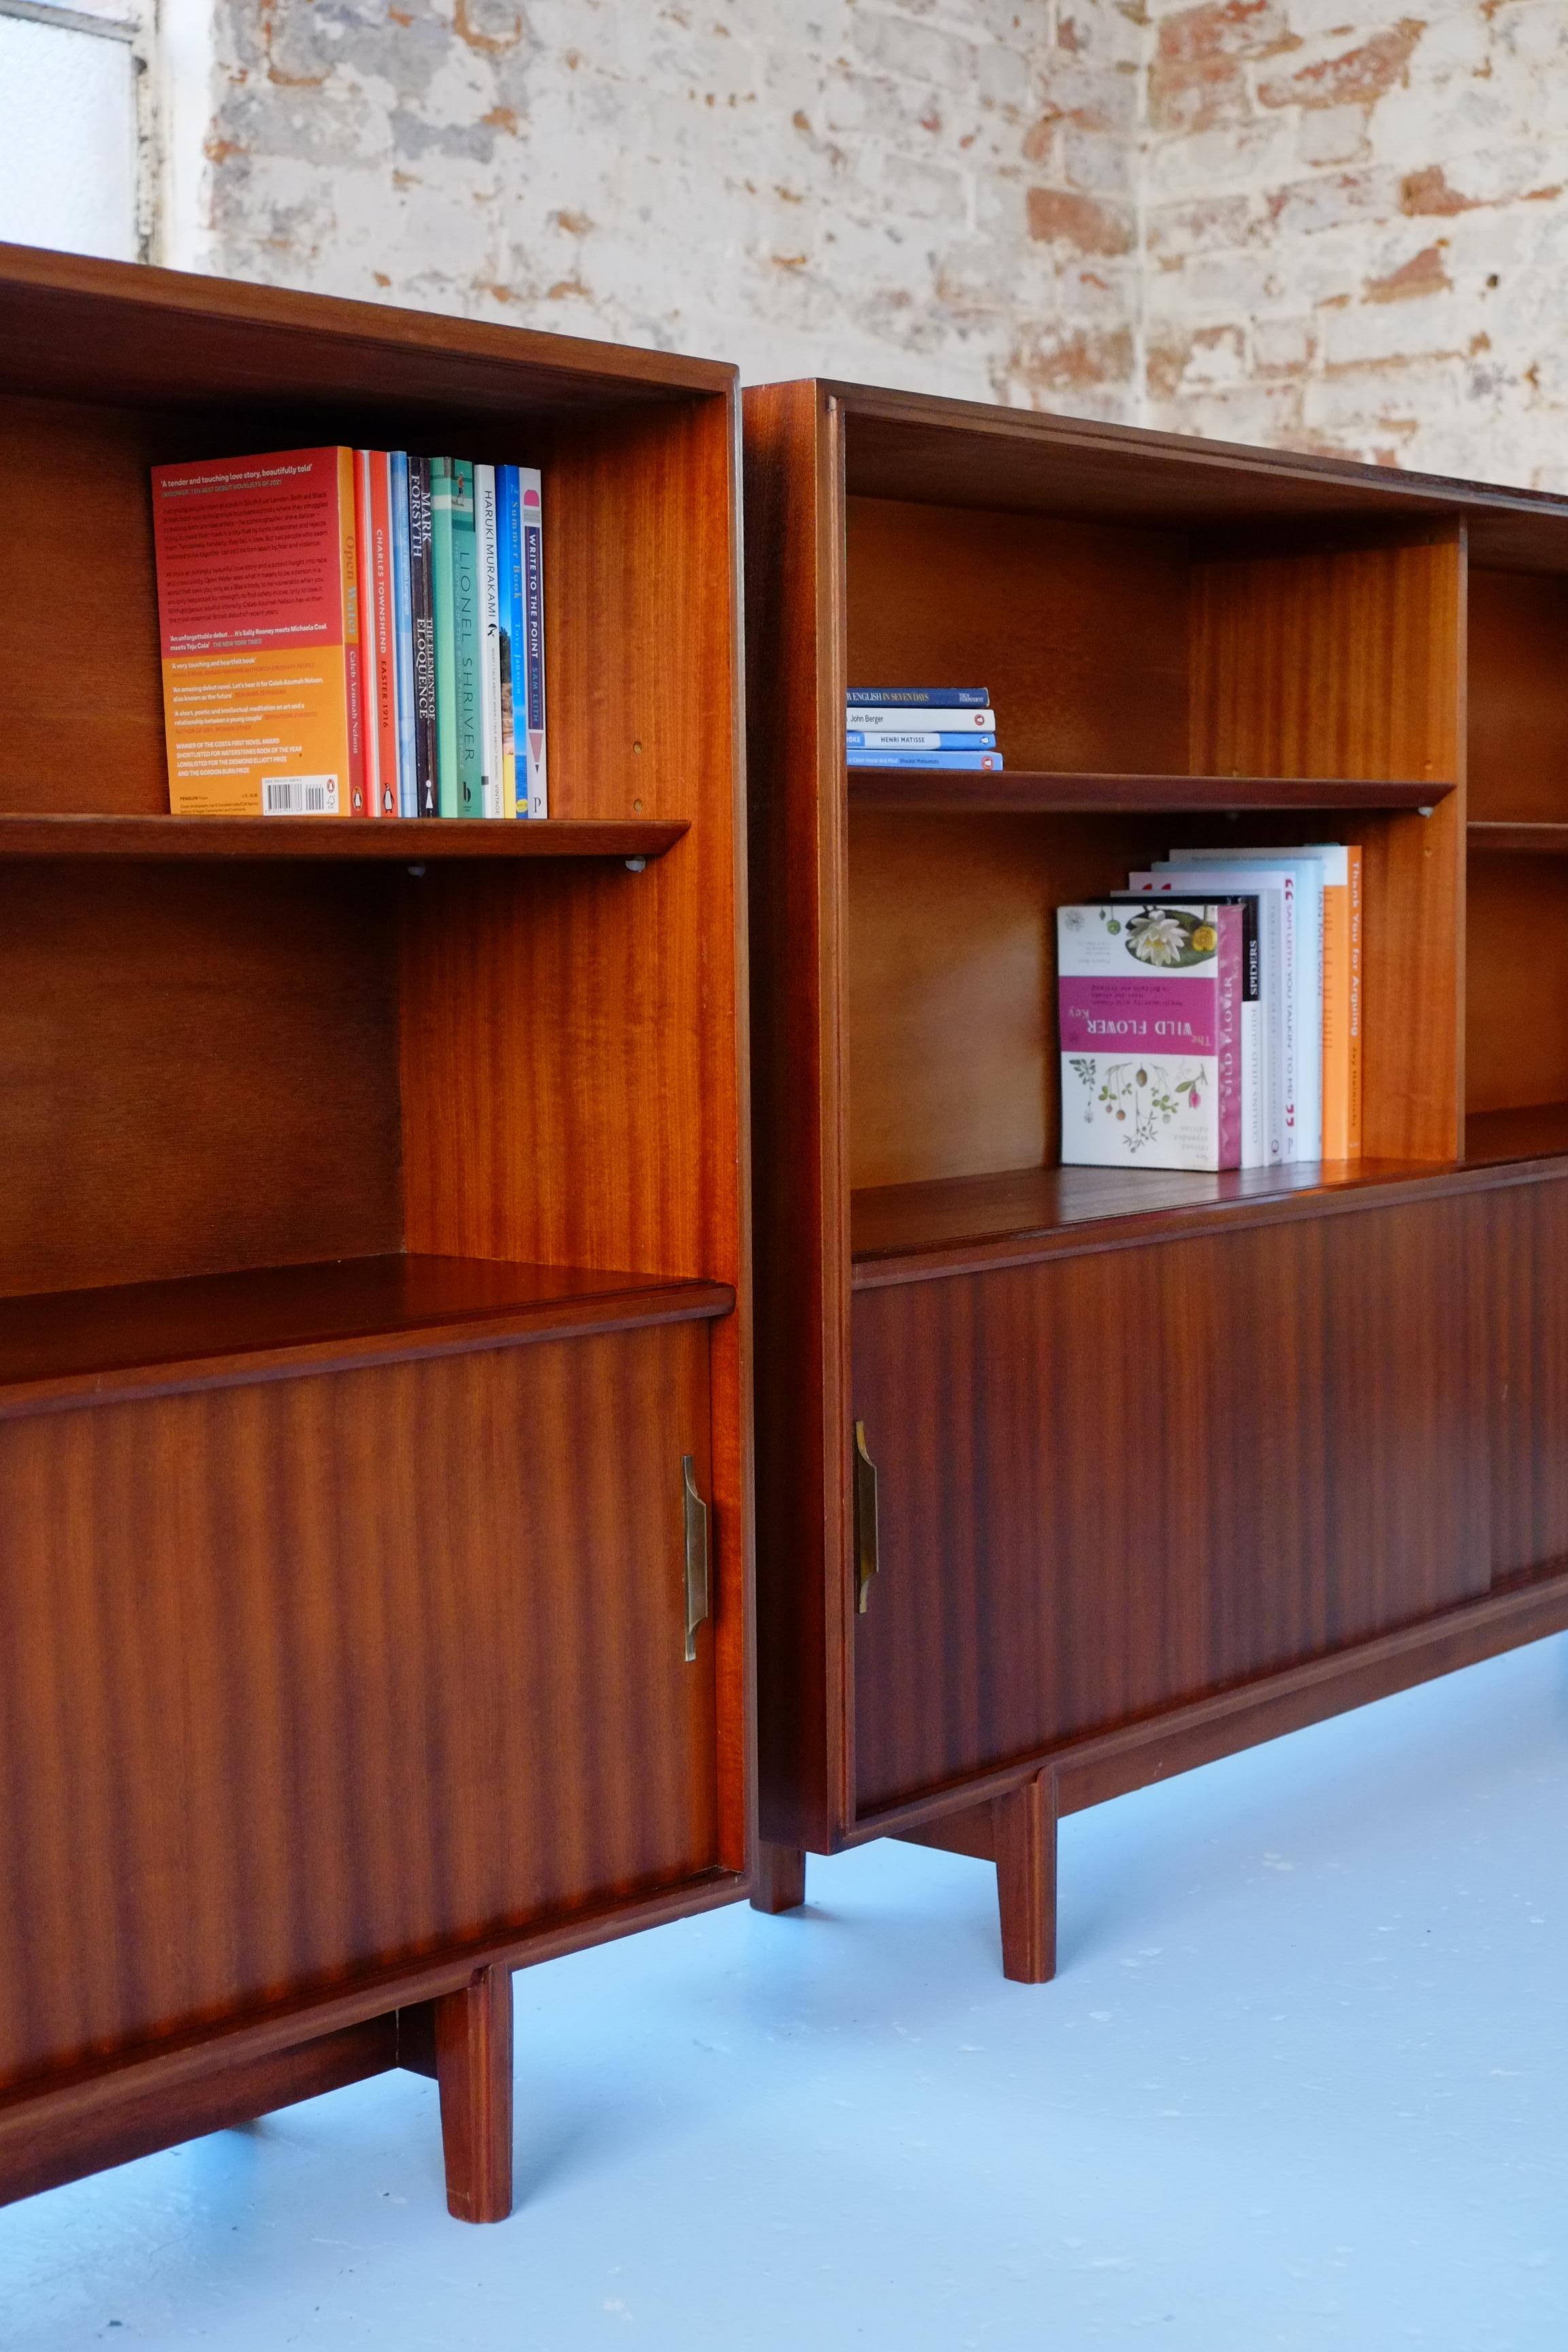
(257, 612)
(1338, 1123)
(1355, 1002)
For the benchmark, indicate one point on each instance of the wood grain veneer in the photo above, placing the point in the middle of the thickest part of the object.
(1165, 1463)
(400, 840)
(343, 1547)
(330, 1547)
(1062, 1553)
(960, 792)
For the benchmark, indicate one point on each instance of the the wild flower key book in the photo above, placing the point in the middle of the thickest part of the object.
(1149, 1002)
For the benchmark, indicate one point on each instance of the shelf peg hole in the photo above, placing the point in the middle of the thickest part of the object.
(636, 865)
(417, 871)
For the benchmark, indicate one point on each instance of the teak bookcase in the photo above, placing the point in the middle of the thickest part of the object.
(1163, 1464)
(373, 1349)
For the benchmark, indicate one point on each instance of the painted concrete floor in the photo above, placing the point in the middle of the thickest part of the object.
(1302, 2083)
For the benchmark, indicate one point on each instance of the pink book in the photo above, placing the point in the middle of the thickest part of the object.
(1149, 1002)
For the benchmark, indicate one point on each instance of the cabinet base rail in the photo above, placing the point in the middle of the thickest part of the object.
(449, 2019)
(1008, 1815)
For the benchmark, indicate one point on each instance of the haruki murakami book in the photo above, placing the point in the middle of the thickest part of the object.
(1149, 1005)
(259, 612)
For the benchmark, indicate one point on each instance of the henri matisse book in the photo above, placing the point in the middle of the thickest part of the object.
(259, 615)
(1148, 1002)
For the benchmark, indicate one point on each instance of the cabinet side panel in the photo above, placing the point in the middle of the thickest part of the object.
(308, 1678)
(82, 715)
(1114, 1481)
(574, 1043)
(794, 700)
(1352, 663)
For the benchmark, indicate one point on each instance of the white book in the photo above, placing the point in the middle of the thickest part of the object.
(940, 717)
(489, 565)
(1277, 947)
(1305, 873)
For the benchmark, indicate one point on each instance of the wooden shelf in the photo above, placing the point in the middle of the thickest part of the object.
(72, 1348)
(1024, 791)
(408, 841)
(1537, 840)
(899, 1231)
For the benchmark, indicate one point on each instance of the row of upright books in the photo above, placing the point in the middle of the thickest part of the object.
(1211, 1013)
(920, 727)
(352, 633)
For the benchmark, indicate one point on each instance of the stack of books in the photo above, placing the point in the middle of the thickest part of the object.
(920, 727)
(352, 633)
(1211, 1013)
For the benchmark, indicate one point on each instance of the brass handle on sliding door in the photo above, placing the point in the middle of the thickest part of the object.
(694, 1511)
(866, 1560)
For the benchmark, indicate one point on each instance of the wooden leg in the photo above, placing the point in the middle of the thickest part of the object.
(778, 1877)
(473, 2067)
(1025, 1833)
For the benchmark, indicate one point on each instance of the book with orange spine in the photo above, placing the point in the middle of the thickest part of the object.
(257, 611)
(1342, 998)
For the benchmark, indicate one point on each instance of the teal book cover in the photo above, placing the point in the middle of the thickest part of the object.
(443, 497)
(468, 637)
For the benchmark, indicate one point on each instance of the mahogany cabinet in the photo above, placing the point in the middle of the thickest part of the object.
(1069, 1478)
(375, 1417)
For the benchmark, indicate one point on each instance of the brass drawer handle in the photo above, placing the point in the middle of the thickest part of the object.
(866, 1559)
(695, 1512)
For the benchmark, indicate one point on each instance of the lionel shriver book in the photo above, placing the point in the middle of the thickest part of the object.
(258, 612)
(1149, 1000)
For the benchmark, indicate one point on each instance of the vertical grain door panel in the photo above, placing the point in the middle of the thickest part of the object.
(1521, 1307)
(1115, 1481)
(308, 1676)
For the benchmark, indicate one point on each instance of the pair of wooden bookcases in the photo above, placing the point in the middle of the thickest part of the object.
(376, 1351)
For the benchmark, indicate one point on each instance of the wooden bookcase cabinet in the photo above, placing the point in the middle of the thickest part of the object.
(372, 1281)
(1163, 1464)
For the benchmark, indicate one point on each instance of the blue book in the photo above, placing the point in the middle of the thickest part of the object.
(509, 565)
(923, 739)
(969, 758)
(532, 741)
(964, 698)
(403, 635)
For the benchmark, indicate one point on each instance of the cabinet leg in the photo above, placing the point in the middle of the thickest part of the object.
(778, 1877)
(1026, 1830)
(473, 2068)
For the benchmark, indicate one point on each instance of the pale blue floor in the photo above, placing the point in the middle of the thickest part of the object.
(1301, 2083)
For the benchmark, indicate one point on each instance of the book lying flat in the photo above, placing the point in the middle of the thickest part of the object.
(880, 759)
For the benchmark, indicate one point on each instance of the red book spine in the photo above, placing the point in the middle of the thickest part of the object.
(363, 735)
(382, 632)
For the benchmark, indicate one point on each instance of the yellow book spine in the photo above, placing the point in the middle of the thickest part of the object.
(1353, 1151)
(1336, 1021)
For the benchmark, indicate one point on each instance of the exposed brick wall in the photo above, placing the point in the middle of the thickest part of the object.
(936, 193)
(1356, 227)
(1336, 224)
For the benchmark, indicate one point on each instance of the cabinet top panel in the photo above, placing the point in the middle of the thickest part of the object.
(936, 451)
(105, 331)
